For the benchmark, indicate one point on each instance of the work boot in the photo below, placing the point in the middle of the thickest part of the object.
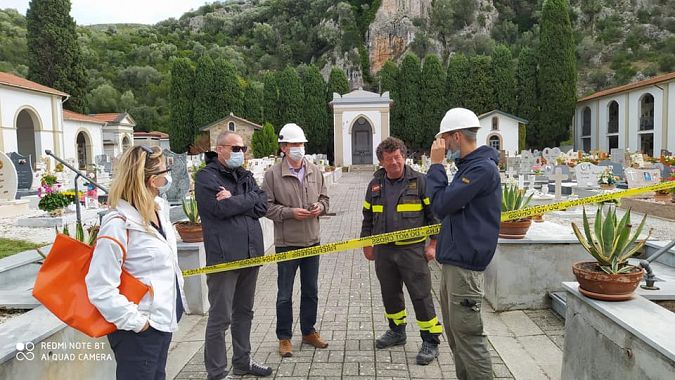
(428, 352)
(391, 338)
(314, 339)
(285, 348)
(255, 369)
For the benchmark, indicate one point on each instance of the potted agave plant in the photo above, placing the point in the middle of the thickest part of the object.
(513, 199)
(609, 241)
(190, 231)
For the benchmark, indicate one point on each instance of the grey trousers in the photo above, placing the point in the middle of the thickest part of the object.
(231, 297)
(461, 303)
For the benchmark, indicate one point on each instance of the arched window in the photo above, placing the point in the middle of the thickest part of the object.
(495, 123)
(231, 126)
(646, 131)
(586, 130)
(613, 126)
(495, 142)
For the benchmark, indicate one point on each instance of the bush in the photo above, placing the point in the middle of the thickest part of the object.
(53, 201)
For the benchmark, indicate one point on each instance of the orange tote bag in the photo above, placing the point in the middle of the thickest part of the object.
(61, 288)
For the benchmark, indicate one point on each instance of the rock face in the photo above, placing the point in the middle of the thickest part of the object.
(392, 30)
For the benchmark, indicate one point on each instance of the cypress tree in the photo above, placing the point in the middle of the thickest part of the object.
(54, 57)
(480, 86)
(315, 111)
(388, 78)
(271, 100)
(503, 72)
(526, 93)
(557, 73)
(264, 142)
(252, 102)
(457, 81)
(409, 105)
(433, 99)
(181, 94)
(228, 94)
(205, 106)
(337, 82)
(291, 98)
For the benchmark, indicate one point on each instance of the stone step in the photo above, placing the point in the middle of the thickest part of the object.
(11, 299)
(362, 168)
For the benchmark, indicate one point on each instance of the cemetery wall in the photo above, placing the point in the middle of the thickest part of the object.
(634, 119)
(671, 117)
(603, 117)
(94, 134)
(43, 106)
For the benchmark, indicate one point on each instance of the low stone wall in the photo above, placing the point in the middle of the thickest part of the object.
(632, 339)
(51, 350)
(523, 272)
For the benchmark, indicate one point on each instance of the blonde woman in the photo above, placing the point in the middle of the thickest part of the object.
(139, 221)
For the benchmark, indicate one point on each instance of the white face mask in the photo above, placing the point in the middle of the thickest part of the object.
(296, 153)
(164, 188)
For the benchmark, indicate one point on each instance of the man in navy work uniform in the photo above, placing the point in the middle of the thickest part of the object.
(395, 201)
(470, 210)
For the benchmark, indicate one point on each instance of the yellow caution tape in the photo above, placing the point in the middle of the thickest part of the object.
(419, 232)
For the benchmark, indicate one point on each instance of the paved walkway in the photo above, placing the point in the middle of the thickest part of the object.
(525, 345)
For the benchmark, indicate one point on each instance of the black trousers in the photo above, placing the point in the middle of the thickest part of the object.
(140, 356)
(398, 265)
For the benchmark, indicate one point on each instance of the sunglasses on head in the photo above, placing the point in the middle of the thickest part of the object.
(236, 148)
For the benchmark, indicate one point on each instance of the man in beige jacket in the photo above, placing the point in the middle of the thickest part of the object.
(296, 197)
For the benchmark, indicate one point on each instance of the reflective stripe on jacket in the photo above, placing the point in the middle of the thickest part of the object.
(413, 208)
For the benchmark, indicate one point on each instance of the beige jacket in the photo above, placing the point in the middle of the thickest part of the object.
(285, 192)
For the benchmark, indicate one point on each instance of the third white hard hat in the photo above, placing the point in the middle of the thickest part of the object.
(292, 133)
(458, 118)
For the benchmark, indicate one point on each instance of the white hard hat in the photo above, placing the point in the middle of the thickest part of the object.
(291, 133)
(458, 118)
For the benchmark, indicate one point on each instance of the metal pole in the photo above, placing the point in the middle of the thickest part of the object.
(49, 153)
(77, 201)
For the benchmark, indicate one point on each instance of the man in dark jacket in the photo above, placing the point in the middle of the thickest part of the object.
(230, 204)
(470, 210)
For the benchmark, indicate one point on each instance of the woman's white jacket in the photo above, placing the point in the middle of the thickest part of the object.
(150, 258)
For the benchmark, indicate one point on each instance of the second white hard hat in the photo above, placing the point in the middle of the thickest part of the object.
(292, 133)
(458, 118)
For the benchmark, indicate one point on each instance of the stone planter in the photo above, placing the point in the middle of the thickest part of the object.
(662, 197)
(595, 283)
(190, 232)
(514, 229)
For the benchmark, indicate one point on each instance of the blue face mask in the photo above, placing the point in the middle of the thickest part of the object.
(236, 160)
(452, 155)
(167, 185)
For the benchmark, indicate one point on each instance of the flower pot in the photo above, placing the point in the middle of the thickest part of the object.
(605, 186)
(514, 229)
(190, 232)
(662, 197)
(596, 283)
(58, 212)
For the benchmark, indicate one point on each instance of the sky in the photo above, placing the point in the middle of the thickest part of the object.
(87, 12)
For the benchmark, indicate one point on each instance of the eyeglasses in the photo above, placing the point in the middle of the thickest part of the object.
(236, 148)
(147, 149)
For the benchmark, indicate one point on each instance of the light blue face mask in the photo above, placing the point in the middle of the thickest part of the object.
(452, 155)
(164, 188)
(236, 160)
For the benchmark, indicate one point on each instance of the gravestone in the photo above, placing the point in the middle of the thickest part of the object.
(527, 160)
(618, 156)
(513, 163)
(8, 179)
(617, 169)
(642, 177)
(588, 175)
(24, 170)
(665, 170)
(179, 173)
(558, 177)
(550, 155)
(104, 161)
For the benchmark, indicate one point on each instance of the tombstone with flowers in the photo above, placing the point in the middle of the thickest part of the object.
(607, 180)
(52, 198)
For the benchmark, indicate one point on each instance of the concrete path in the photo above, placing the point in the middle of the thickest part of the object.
(526, 345)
